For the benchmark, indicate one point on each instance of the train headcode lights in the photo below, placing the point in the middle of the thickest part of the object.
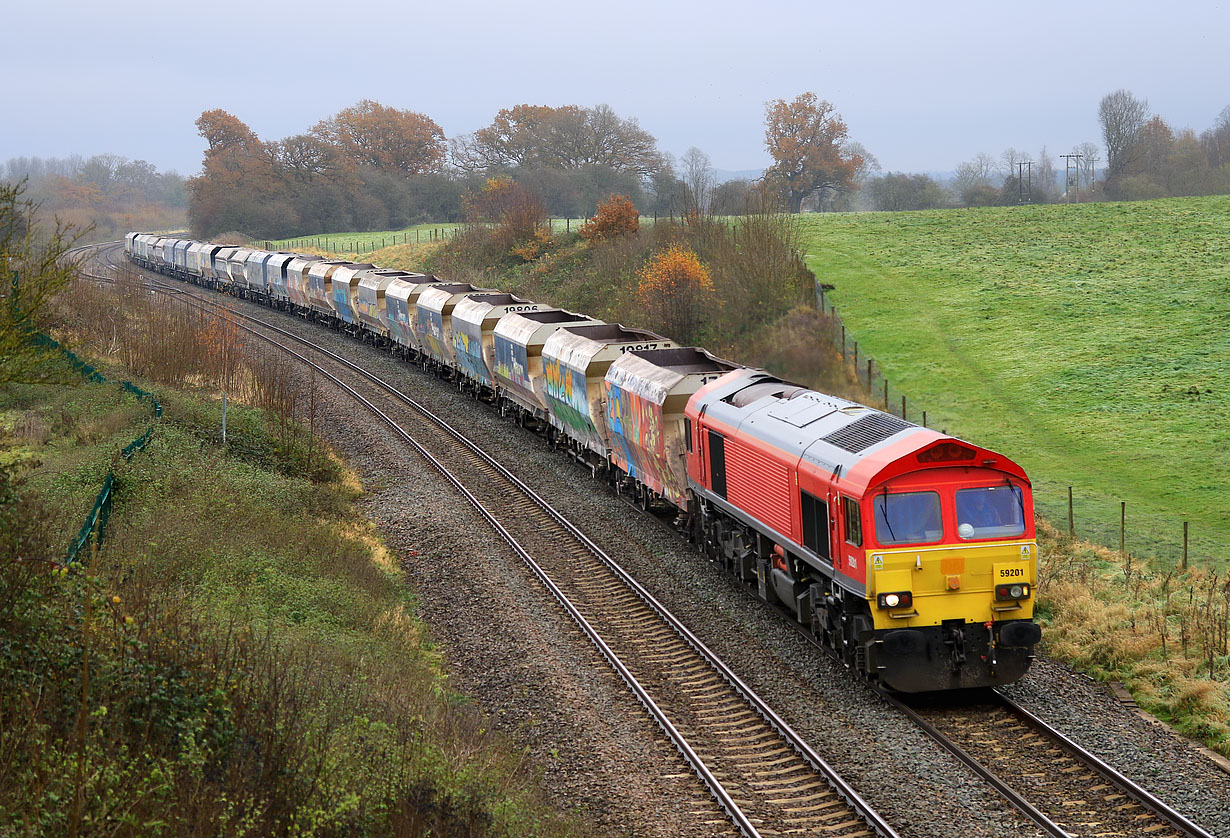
(898, 599)
(1018, 590)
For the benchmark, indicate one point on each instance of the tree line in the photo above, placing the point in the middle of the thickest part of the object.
(374, 167)
(1142, 157)
(110, 193)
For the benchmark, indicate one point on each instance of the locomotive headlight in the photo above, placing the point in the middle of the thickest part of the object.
(1018, 591)
(897, 599)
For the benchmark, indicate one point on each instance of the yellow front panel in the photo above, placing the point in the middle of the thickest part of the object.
(951, 582)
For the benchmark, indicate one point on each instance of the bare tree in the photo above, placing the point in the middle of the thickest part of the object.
(699, 178)
(1045, 178)
(1216, 140)
(1011, 159)
(1090, 156)
(1122, 116)
(980, 171)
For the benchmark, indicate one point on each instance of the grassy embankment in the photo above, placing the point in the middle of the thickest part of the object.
(242, 655)
(1090, 343)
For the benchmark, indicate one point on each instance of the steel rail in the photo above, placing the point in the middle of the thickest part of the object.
(1108, 773)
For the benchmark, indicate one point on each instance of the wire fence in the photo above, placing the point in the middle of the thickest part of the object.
(95, 526)
(1082, 512)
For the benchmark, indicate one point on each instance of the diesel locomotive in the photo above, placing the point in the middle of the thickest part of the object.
(910, 554)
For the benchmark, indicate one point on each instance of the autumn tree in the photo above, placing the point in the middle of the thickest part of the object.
(674, 288)
(566, 137)
(386, 138)
(238, 187)
(517, 213)
(808, 142)
(616, 216)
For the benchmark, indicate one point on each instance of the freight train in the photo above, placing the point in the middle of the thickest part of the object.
(909, 553)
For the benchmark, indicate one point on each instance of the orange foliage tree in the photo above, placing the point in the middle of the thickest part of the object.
(807, 141)
(674, 289)
(373, 134)
(615, 217)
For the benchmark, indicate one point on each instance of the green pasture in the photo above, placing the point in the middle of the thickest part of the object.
(1089, 342)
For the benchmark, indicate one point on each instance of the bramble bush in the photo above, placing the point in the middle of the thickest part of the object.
(616, 216)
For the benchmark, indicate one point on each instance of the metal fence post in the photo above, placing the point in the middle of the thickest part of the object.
(1071, 519)
(1185, 545)
(1122, 526)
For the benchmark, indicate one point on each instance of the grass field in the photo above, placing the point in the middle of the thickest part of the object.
(1090, 342)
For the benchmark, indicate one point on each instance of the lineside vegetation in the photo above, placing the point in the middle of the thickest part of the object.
(241, 656)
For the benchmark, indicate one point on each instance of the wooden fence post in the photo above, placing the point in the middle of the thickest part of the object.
(1071, 519)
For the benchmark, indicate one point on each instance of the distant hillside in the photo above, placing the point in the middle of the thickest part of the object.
(724, 175)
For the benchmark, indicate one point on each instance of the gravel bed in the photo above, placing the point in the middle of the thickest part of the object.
(892, 765)
(1148, 752)
(510, 649)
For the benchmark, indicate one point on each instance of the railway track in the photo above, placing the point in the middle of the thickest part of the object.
(766, 778)
(1059, 785)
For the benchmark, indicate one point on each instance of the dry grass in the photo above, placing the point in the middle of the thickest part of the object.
(1163, 633)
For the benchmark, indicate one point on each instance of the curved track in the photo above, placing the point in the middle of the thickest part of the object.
(765, 777)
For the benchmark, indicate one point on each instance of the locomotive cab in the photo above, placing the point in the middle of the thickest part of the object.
(951, 562)
(909, 553)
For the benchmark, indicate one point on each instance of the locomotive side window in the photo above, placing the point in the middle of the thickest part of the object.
(907, 517)
(687, 432)
(853, 523)
(815, 525)
(717, 463)
(990, 512)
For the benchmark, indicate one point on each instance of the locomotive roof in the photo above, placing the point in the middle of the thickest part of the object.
(858, 445)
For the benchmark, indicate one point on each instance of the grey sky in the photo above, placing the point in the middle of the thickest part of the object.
(923, 86)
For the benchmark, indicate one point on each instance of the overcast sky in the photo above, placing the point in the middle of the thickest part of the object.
(921, 85)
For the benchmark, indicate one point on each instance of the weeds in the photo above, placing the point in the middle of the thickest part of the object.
(1163, 633)
(239, 658)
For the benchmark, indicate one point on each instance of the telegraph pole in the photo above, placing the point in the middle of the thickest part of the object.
(1025, 192)
(1072, 162)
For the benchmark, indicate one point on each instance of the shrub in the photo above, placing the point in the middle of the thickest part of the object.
(616, 216)
(676, 288)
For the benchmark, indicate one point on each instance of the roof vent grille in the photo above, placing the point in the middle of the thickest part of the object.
(866, 431)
